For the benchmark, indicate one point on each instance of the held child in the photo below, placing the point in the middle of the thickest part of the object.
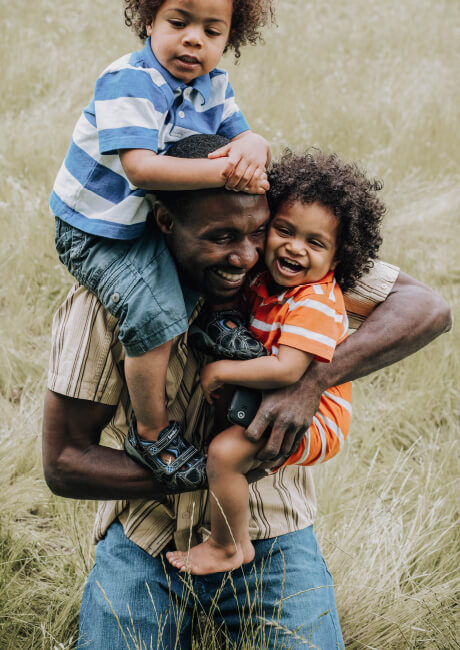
(324, 233)
(142, 104)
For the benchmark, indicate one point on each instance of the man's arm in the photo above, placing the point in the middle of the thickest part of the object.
(76, 466)
(411, 317)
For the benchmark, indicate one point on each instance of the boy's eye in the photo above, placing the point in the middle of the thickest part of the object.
(212, 32)
(179, 24)
(316, 243)
(283, 231)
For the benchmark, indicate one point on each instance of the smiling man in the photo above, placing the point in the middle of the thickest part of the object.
(215, 238)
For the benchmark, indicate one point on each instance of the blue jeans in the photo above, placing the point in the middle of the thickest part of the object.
(135, 280)
(132, 598)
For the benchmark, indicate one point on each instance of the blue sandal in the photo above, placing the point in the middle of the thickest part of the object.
(225, 342)
(188, 470)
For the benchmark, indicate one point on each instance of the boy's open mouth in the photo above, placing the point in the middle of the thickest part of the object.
(289, 265)
(188, 59)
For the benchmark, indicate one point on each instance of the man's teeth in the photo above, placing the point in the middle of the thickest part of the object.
(233, 277)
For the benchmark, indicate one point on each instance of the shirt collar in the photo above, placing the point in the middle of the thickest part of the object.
(261, 282)
(200, 84)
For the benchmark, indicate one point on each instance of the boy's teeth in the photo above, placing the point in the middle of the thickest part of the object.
(234, 277)
(291, 265)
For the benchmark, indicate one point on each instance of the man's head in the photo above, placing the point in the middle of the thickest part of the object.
(343, 190)
(215, 236)
(245, 22)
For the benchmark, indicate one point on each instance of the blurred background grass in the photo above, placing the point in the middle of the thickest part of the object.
(374, 81)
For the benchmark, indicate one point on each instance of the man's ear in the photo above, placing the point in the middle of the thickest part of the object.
(163, 218)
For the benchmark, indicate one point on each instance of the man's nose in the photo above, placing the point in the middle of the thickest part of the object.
(193, 36)
(245, 257)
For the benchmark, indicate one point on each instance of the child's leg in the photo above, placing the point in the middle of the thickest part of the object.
(230, 457)
(146, 378)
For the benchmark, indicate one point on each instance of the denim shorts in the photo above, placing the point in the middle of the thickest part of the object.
(132, 600)
(135, 280)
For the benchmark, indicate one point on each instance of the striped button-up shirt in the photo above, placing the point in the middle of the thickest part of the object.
(87, 363)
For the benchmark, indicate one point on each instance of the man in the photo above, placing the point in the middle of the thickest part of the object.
(131, 596)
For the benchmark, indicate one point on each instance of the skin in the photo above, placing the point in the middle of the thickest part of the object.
(76, 466)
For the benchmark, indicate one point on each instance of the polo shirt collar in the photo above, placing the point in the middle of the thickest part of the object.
(261, 282)
(200, 84)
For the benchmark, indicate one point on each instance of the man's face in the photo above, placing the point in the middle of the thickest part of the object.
(218, 241)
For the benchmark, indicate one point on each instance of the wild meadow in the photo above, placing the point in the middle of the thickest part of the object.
(376, 82)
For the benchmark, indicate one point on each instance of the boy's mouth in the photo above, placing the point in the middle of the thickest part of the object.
(188, 60)
(289, 266)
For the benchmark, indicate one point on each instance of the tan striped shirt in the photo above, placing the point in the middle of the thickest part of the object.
(87, 363)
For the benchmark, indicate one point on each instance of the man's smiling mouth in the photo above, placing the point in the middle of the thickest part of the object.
(230, 277)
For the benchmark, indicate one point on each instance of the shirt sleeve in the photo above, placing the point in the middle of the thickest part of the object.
(314, 323)
(233, 121)
(85, 351)
(371, 289)
(129, 109)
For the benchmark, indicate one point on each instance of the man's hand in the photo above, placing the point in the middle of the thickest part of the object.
(287, 414)
(247, 158)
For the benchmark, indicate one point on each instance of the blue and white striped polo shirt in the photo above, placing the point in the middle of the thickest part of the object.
(137, 104)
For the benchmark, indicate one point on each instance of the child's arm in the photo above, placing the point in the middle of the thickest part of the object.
(148, 171)
(247, 155)
(263, 373)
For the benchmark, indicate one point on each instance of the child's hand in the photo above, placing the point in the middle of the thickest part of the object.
(210, 382)
(247, 158)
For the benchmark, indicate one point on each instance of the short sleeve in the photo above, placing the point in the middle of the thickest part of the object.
(315, 324)
(85, 351)
(129, 109)
(233, 121)
(371, 289)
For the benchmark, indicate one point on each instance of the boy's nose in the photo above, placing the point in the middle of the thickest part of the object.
(296, 247)
(193, 36)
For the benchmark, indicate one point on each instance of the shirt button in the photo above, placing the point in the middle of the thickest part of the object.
(186, 515)
(115, 297)
(181, 114)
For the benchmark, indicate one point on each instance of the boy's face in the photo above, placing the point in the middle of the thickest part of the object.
(188, 37)
(301, 243)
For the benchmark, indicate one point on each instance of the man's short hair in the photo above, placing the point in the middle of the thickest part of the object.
(195, 146)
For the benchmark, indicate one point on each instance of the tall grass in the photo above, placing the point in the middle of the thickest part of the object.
(375, 81)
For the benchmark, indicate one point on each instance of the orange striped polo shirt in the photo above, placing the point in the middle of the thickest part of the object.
(312, 318)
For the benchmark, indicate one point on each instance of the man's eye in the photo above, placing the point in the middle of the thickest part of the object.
(223, 240)
(260, 232)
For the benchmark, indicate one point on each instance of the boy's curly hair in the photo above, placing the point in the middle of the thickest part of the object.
(314, 176)
(248, 18)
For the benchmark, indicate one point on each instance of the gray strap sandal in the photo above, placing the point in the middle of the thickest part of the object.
(188, 470)
(225, 342)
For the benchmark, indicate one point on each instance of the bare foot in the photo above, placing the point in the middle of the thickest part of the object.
(210, 557)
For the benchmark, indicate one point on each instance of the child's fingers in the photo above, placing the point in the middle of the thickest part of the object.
(248, 177)
(221, 152)
(239, 176)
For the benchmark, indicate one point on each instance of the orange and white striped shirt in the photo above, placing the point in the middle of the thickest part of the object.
(312, 318)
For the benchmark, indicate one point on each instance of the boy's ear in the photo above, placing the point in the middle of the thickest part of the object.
(148, 29)
(163, 218)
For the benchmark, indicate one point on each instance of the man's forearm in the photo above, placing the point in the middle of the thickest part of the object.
(411, 317)
(76, 466)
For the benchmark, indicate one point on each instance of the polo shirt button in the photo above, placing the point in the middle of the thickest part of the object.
(115, 297)
(181, 114)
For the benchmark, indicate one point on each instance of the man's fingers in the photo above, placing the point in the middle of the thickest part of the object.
(261, 421)
(220, 153)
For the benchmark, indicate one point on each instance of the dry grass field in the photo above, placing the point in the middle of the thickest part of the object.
(375, 81)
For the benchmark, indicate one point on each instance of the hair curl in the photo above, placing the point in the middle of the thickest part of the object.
(248, 18)
(314, 176)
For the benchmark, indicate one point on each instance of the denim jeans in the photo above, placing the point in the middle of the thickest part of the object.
(132, 600)
(136, 281)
